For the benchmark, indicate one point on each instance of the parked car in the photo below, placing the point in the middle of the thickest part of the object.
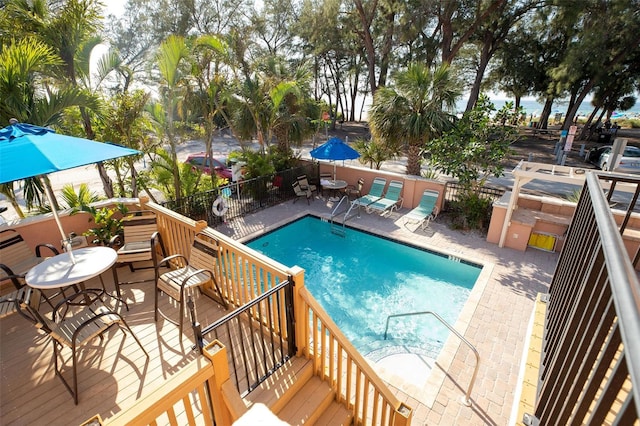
(219, 165)
(629, 163)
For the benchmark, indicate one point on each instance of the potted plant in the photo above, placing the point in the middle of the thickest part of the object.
(108, 223)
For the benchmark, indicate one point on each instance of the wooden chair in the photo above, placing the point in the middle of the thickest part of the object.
(141, 242)
(305, 185)
(189, 273)
(17, 258)
(76, 321)
(355, 191)
(306, 193)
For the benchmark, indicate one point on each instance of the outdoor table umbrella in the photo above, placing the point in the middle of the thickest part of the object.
(28, 151)
(334, 149)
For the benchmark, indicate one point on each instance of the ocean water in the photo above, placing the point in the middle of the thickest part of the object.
(534, 108)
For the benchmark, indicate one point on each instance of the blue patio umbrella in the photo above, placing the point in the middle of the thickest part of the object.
(334, 149)
(28, 151)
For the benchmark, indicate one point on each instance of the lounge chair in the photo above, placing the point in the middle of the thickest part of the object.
(375, 193)
(425, 211)
(390, 201)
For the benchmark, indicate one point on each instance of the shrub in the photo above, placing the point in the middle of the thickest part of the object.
(470, 211)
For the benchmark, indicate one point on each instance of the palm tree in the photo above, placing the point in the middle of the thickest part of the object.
(272, 103)
(24, 69)
(172, 61)
(69, 29)
(418, 108)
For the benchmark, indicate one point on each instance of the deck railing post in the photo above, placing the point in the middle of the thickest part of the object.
(217, 353)
(297, 276)
(291, 320)
(402, 416)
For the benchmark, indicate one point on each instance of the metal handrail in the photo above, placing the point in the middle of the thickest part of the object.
(346, 212)
(467, 397)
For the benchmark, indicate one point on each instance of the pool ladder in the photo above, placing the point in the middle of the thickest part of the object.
(347, 209)
(467, 398)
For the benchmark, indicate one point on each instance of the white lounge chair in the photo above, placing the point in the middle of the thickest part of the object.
(425, 211)
(390, 201)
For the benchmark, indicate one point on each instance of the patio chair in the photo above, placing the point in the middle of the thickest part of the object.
(189, 273)
(304, 184)
(375, 193)
(392, 198)
(355, 191)
(306, 193)
(17, 259)
(425, 211)
(75, 322)
(141, 243)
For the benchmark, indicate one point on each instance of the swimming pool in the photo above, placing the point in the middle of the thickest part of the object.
(360, 279)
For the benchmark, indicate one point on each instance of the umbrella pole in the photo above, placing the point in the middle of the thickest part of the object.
(334, 170)
(67, 244)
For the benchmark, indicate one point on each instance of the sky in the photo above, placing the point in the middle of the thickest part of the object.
(115, 7)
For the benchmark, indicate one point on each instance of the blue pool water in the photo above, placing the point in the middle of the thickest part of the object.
(360, 279)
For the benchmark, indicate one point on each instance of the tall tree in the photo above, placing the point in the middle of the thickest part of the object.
(173, 67)
(491, 35)
(606, 40)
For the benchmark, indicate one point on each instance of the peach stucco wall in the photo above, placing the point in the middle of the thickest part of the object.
(42, 229)
(518, 233)
(412, 189)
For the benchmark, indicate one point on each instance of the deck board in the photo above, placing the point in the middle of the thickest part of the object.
(111, 375)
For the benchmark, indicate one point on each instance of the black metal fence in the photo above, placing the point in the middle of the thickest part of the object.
(259, 336)
(240, 198)
(453, 190)
(590, 372)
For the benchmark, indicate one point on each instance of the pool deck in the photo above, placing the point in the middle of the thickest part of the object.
(494, 320)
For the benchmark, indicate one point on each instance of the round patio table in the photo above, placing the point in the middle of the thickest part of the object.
(61, 271)
(333, 186)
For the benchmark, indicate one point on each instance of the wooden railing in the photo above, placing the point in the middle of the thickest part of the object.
(337, 362)
(244, 275)
(193, 396)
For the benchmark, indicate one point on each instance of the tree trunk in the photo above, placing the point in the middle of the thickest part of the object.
(413, 160)
(485, 55)
(587, 126)
(367, 40)
(544, 117)
(387, 45)
(568, 121)
(574, 108)
(354, 94)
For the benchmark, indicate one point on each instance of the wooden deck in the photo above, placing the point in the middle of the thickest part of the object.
(111, 375)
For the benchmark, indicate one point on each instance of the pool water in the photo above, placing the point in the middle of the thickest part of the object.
(361, 278)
